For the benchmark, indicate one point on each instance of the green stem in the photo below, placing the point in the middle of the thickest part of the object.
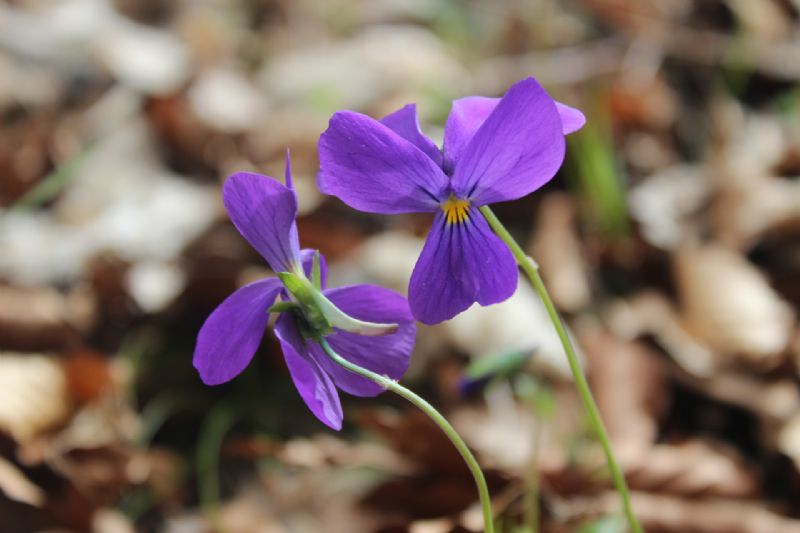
(531, 269)
(441, 421)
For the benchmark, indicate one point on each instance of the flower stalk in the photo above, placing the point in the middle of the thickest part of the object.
(392, 385)
(531, 269)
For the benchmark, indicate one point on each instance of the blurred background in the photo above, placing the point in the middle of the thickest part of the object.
(670, 240)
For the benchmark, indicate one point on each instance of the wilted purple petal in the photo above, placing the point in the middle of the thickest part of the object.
(517, 149)
(231, 334)
(371, 168)
(314, 385)
(307, 260)
(264, 210)
(461, 263)
(571, 119)
(405, 123)
(387, 355)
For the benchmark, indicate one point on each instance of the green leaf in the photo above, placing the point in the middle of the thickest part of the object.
(606, 524)
(503, 365)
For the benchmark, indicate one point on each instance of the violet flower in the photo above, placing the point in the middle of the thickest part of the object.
(264, 211)
(495, 150)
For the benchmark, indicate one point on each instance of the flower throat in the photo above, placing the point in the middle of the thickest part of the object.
(456, 210)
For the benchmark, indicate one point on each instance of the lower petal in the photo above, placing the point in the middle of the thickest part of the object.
(231, 334)
(461, 263)
(312, 382)
(387, 355)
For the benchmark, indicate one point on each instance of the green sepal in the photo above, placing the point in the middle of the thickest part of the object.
(323, 315)
(282, 307)
(316, 272)
(305, 294)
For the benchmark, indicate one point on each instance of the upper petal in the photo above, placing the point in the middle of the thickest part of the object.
(517, 149)
(387, 355)
(460, 264)
(231, 334)
(468, 114)
(571, 119)
(405, 123)
(372, 168)
(264, 210)
(312, 382)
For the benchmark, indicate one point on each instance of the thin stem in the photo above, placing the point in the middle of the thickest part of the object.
(441, 421)
(531, 269)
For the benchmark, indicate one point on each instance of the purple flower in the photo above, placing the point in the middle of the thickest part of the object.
(264, 211)
(494, 150)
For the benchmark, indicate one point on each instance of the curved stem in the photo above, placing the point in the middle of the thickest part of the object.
(531, 269)
(436, 416)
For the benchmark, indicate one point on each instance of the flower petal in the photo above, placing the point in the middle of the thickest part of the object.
(231, 334)
(571, 119)
(468, 114)
(387, 355)
(405, 123)
(517, 149)
(461, 263)
(264, 210)
(314, 385)
(307, 260)
(371, 168)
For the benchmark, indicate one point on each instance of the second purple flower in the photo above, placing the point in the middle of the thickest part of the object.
(264, 211)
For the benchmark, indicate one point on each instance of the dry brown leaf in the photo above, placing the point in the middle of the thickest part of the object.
(111, 521)
(772, 401)
(35, 395)
(415, 437)
(728, 305)
(766, 20)
(501, 434)
(644, 101)
(744, 211)
(635, 15)
(789, 440)
(17, 486)
(43, 318)
(557, 249)
(691, 468)
(323, 450)
(88, 374)
(630, 387)
(669, 514)
(668, 203)
(650, 313)
(321, 499)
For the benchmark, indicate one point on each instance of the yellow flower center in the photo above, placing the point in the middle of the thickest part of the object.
(456, 210)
